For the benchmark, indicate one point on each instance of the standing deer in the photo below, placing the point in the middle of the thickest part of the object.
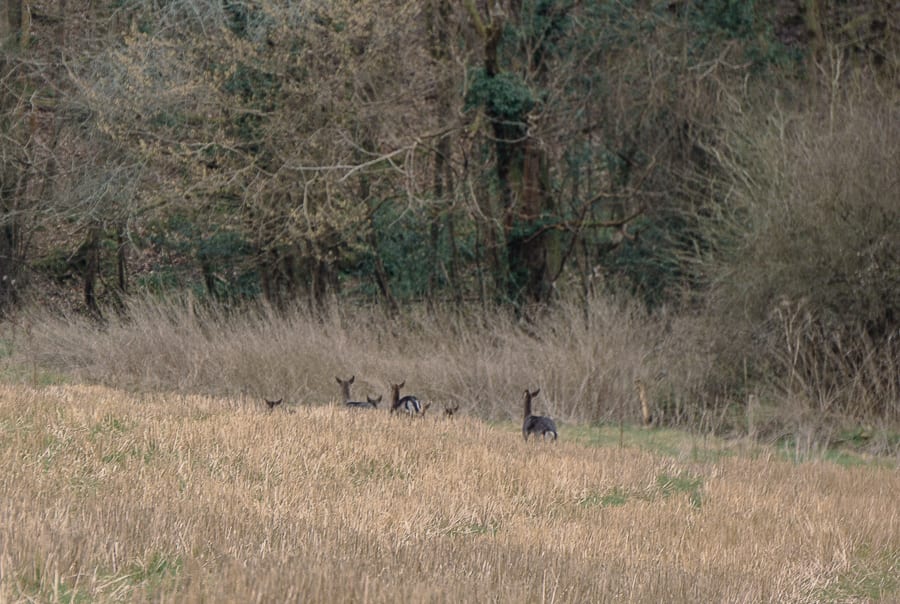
(408, 404)
(449, 411)
(273, 404)
(536, 424)
(345, 394)
(647, 416)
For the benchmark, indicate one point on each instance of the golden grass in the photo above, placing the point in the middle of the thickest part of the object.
(108, 496)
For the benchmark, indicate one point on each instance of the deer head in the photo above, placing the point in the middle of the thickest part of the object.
(345, 387)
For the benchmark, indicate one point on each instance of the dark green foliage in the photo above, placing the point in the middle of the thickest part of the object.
(220, 262)
(505, 95)
(734, 18)
(245, 20)
(722, 20)
(648, 267)
(257, 89)
(403, 248)
(416, 267)
(251, 84)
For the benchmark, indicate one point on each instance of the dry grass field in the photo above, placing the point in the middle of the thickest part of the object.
(108, 496)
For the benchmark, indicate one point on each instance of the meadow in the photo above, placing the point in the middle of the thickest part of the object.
(140, 463)
(112, 495)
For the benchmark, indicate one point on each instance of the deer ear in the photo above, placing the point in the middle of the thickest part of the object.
(352, 377)
(338, 380)
(401, 384)
(536, 392)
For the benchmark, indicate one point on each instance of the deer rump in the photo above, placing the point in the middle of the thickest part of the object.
(409, 404)
(538, 424)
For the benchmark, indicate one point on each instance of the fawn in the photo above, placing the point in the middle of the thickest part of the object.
(408, 404)
(345, 393)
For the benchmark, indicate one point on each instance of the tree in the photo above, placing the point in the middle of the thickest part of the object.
(403, 149)
(276, 120)
(26, 144)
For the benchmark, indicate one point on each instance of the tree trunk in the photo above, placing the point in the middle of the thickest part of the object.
(121, 262)
(90, 256)
(455, 283)
(381, 276)
(521, 182)
(532, 249)
(322, 281)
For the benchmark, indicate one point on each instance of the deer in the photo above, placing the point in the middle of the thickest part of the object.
(408, 404)
(272, 404)
(345, 393)
(371, 403)
(536, 424)
(449, 411)
(645, 405)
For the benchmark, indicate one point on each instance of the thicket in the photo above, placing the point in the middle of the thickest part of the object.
(731, 166)
(804, 271)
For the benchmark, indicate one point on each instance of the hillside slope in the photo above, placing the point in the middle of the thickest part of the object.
(118, 497)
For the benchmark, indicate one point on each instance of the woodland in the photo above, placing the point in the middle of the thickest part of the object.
(726, 170)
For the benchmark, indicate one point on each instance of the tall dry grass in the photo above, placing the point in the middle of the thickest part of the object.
(584, 367)
(108, 496)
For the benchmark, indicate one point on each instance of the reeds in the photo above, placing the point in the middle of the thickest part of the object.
(585, 367)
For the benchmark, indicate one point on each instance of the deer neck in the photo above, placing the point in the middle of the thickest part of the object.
(527, 406)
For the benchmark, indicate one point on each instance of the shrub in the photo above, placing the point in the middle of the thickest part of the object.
(805, 277)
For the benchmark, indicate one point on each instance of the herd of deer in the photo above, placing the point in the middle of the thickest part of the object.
(412, 406)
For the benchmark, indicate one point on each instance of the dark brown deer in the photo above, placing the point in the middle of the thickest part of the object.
(345, 394)
(450, 411)
(408, 404)
(536, 424)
